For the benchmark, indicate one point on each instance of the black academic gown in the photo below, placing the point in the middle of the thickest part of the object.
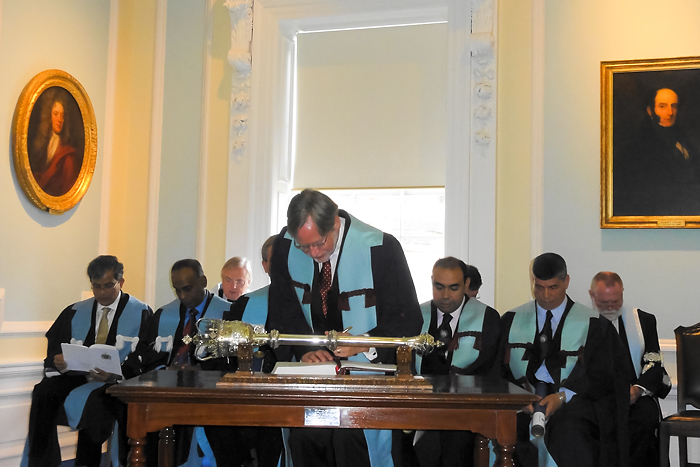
(645, 413)
(397, 312)
(591, 429)
(449, 448)
(46, 411)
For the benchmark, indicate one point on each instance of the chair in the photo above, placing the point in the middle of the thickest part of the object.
(685, 423)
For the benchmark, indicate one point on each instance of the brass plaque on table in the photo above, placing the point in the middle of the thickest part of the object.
(338, 383)
(321, 416)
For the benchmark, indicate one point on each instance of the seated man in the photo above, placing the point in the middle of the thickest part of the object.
(471, 332)
(330, 271)
(474, 281)
(646, 374)
(110, 317)
(561, 349)
(252, 307)
(230, 445)
(236, 275)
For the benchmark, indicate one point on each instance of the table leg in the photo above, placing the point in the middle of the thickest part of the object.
(137, 452)
(166, 446)
(504, 455)
(481, 451)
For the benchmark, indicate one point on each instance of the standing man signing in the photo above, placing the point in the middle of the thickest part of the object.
(330, 271)
(562, 347)
(110, 317)
(470, 331)
(646, 374)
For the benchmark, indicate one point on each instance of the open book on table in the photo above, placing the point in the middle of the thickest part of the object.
(341, 367)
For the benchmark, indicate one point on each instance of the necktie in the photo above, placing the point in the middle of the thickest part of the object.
(545, 337)
(622, 333)
(326, 281)
(103, 327)
(183, 353)
(445, 330)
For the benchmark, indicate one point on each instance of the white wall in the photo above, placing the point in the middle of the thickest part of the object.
(43, 257)
(180, 148)
(660, 267)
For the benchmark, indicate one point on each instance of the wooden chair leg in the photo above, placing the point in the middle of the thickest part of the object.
(683, 451)
(664, 440)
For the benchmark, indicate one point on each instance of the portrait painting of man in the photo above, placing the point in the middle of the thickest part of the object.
(655, 160)
(55, 141)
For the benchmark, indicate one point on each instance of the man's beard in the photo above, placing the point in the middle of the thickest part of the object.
(612, 315)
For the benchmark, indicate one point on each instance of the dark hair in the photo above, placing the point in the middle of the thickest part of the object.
(99, 266)
(608, 278)
(314, 204)
(548, 266)
(474, 276)
(192, 264)
(268, 243)
(450, 262)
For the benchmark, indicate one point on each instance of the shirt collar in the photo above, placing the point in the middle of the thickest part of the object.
(557, 313)
(113, 306)
(336, 250)
(338, 240)
(455, 314)
(200, 307)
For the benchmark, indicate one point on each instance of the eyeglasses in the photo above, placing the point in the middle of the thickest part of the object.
(237, 283)
(107, 286)
(306, 248)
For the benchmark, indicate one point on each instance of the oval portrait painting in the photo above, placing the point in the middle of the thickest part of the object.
(55, 141)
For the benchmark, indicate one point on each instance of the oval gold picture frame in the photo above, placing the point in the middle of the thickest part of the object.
(54, 141)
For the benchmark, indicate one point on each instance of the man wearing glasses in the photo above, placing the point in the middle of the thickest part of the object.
(236, 275)
(329, 272)
(110, 317)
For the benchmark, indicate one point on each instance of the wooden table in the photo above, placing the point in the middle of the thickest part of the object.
(163, 398)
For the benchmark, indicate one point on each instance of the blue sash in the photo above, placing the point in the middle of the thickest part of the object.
(471, 320)
(256, 308)
(128, 328)
(170, 319)
(128, 325)
(524, 328)
(354, 272)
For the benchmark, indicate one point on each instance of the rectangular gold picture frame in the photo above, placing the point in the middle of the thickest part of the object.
(650, 143)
